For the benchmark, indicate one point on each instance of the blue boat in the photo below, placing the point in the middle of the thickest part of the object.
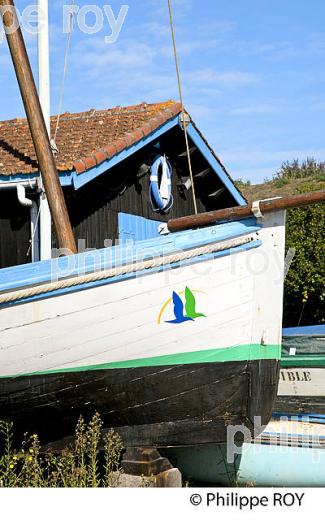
(288, 453)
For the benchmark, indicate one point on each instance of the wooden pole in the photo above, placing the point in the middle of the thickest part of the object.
(44, 94)
(240, 212)
(37, 127)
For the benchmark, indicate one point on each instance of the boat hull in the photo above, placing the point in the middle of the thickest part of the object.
(171, 340)
(287, 453)
(161, 406)
(302, 376)
(301, 390)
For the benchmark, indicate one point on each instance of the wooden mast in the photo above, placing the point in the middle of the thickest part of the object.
(240, 212)
(37, 127)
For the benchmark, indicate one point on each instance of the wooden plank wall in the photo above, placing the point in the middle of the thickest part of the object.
(94, 212)
(14, 230)
(94, 208)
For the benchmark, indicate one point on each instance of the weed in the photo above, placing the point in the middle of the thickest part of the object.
(92, 461)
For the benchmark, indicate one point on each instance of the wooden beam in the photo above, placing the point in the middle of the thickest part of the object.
(192, 150)
(241, 212)
(216, 194)
(203, 173)
(37, 127)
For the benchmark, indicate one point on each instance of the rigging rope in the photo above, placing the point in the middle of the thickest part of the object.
(65, 67)
(139, 266)
(182, 104)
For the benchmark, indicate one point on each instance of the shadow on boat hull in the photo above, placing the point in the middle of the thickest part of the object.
(178, 405)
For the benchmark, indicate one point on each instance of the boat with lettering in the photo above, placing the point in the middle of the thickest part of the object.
(302, 376)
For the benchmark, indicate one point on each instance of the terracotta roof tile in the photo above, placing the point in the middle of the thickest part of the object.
(120, 144)
(100, 156)
(84, 139)
(80, 166)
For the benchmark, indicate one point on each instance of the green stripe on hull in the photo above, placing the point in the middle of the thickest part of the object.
(307, 361)
(251, 352)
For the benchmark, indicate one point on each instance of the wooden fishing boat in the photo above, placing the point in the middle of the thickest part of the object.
(169, 338)
(302, 376)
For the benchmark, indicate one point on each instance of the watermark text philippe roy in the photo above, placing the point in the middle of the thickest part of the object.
(89, 19)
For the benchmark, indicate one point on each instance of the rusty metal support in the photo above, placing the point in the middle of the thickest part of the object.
(37, 127)
(241, 212)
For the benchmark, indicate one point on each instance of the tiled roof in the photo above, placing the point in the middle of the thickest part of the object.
(84, 139)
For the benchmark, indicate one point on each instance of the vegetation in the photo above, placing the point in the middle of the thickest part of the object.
(84, 464)
(304, 300)
(309, 169)
(240, 183)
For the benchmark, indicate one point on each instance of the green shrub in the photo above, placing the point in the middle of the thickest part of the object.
(92, 461)
(281, 182)
(308, 169)
(240, 183)
(304, 299)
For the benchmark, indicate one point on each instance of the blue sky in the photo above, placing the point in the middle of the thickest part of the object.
(253, 73)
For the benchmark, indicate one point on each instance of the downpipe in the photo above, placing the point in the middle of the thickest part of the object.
(34, 232)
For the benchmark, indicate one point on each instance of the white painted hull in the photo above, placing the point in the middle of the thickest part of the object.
(114, 347)
(240, 295)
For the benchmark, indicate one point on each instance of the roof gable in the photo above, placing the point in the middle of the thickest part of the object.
(84, 139)
(91, 143)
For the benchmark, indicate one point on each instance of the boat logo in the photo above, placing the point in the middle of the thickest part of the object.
(180, 316)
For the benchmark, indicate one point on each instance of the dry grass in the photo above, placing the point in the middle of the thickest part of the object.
(280, 188)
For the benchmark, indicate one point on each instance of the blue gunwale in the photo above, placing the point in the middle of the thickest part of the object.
(22, 276)
(91, 285)
(312, 330)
